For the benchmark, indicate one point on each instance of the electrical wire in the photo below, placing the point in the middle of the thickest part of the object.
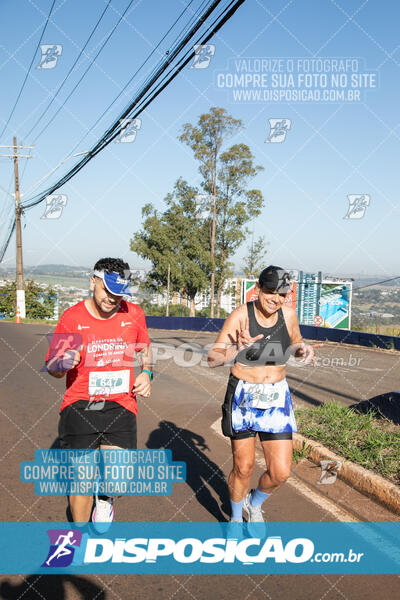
(84, 74)
(145, 96)
(133, 76)
(376, 283)
(6, 208)
(116, 128)
(361, 287)
(182, 63)
(70, 71)
(29, 70)
(8, 239)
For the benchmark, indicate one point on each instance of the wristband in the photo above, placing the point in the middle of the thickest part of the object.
(150, 374)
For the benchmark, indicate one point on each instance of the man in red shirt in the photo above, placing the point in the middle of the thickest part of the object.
(94, 344)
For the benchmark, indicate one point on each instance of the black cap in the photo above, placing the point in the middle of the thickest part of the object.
(275, 278)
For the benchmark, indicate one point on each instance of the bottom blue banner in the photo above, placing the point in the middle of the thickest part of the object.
(196, 548)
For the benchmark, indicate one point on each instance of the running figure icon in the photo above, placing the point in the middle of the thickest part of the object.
(62, 549)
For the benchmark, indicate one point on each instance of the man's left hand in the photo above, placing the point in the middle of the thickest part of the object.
(143, 385)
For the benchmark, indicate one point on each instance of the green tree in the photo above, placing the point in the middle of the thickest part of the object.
(176, 310)
(254, 260)
(236, 205)
(206, 140)
(223, 271)
(205, 312)
(39, 302)
(177, 237)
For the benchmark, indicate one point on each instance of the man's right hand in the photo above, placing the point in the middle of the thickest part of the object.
(70, 359)
(60, 365)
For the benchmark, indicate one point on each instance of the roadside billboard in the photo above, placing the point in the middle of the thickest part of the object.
(249, 293)
(334, 305)
(317, 302)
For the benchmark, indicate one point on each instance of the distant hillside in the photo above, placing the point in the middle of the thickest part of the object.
(371, 280)
(60, 270)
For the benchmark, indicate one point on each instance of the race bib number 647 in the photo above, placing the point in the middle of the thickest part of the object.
(108, 382)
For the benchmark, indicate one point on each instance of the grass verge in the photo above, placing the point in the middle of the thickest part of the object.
(35, 321)
(363, 439)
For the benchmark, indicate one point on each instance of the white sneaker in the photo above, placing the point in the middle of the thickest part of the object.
(254, 513)
(103, 514)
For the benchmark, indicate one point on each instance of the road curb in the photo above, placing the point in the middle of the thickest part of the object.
(361, 479)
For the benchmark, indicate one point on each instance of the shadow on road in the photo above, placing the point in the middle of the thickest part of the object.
(384, 406)
(50, 586)
(302, 396)
(201, 472)
(335, 392)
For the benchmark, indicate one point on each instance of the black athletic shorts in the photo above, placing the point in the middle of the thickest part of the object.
(86, 424)
(226, 423)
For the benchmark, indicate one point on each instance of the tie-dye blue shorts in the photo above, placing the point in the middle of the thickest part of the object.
(263, 408)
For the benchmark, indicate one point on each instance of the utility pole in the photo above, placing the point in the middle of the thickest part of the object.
(18, 234)
(168, 284)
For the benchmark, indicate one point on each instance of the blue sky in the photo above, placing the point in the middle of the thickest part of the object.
(332, 149)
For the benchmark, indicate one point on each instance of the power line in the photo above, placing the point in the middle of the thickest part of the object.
(29, 70)
(85, 72)
(146, 95)
(8, 239)
(339, 282)
(135, 74)
(12, 222)
(170, 52)
(143, 101)
(361, 287)
(184, 60)
(116, 128)
(70, 71)
(376, 283)
(20, 287)
(8, 210)
(25, 165)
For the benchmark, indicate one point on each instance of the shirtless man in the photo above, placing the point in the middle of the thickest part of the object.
(259, 337)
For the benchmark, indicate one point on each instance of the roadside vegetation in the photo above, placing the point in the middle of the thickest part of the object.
(362, 438)
(39, 302)
(175, 310)
(34, 321)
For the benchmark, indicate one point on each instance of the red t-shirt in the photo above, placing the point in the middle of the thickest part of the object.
(107, 348)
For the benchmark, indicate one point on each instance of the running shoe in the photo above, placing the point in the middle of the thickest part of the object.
(256, 526)
(255, 513)
(103, 514)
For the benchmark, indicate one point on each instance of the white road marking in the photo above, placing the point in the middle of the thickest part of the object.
(325, 503)
(370, 369)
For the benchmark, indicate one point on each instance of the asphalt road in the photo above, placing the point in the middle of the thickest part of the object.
(184, 406)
